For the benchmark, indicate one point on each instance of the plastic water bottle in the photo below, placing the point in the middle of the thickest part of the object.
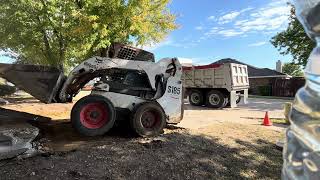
(302, 149)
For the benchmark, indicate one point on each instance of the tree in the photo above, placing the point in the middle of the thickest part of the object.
(294, 41)
(63, 33)
(292, 69)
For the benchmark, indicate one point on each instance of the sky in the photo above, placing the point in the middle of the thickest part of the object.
(210, 30)
(4, 59)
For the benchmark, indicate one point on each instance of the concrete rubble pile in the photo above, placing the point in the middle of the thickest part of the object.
(16, 138)
(17, 134)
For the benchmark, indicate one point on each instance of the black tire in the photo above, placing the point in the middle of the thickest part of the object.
(93, 115)
(215, 99)
(148, 119)
(196, 98)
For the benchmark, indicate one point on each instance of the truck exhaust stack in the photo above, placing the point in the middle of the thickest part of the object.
(42, 82)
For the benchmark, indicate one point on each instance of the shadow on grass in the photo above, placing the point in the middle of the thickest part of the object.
(8, 116)
(177, 154)
(21, 100)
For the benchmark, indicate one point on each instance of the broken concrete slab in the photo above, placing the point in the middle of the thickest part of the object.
(16, 138)
(16, 134)
(5, 140)
(3, 101)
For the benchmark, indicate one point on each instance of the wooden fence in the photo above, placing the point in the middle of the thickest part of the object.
(287, 87)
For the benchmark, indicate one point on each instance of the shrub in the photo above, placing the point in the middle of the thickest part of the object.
(6, 90)
(264, 90)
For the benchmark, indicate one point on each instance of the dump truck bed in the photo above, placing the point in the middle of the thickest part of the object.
(228, 76)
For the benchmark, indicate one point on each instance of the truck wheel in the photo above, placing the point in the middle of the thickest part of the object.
(93, 115)
(215, 99)
(148, 120)
(196, 98)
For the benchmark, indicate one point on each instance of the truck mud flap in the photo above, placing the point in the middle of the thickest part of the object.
(42, 82)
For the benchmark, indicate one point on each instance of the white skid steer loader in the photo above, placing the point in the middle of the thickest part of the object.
(129, 85)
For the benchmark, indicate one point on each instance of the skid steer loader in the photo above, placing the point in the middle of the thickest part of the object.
(128, 85)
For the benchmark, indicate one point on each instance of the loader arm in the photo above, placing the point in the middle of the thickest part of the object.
(50, 85)
(97, 66)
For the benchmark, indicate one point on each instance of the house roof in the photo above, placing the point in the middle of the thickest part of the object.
(255, 72)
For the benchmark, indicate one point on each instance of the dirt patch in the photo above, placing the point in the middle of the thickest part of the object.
(219, 150)
(216, 152)
(26, 103)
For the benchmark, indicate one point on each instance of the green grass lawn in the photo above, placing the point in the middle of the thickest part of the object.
(280, 121)
(271, 97)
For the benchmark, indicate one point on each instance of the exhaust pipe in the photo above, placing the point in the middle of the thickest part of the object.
(42, 82)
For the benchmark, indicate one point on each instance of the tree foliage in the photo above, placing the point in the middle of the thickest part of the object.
(292, 69)
(294, 41)
(57, 33)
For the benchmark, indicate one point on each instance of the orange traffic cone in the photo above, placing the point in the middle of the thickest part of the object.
(266, 120)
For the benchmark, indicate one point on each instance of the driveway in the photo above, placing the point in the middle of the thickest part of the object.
(251, 113)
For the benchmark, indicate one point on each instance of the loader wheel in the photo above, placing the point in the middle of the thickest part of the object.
(93, 115)
(148, 120)
(216, 99)
(196, 98)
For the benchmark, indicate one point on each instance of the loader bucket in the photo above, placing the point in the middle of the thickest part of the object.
(42, 82)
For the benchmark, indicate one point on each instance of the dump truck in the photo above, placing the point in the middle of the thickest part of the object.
(129, 85)
(216, 85)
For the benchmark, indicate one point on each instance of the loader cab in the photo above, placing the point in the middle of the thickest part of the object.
(132, 82)
(124, 80)
(129, 82)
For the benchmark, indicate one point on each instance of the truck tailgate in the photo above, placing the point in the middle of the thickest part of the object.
(239, 75)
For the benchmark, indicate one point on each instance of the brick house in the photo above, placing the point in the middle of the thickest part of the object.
(261, 80)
